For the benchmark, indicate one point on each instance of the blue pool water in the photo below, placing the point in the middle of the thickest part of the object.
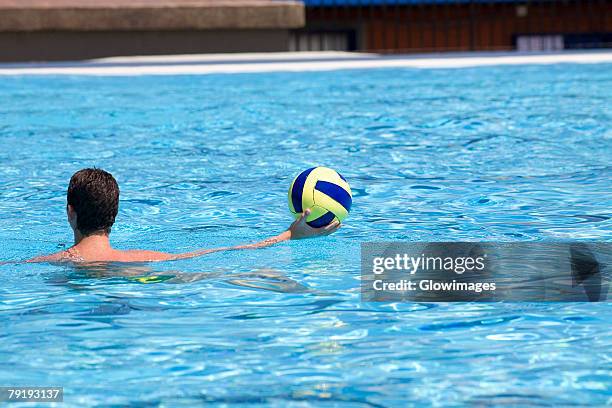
(498, 154)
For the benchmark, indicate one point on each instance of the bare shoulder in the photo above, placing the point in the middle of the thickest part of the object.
(115, 256)
(62, 256)
(145, 256)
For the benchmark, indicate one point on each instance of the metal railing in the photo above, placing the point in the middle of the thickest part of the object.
(400, 26)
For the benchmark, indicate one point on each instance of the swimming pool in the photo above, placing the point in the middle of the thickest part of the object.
(498, 153)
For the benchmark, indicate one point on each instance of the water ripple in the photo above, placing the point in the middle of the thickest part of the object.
(207, 161)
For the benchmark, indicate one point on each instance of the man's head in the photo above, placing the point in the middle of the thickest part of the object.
(93, 201)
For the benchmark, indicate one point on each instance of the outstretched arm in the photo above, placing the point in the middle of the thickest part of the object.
(298, 230)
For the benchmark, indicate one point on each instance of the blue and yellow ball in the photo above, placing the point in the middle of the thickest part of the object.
(325, 192)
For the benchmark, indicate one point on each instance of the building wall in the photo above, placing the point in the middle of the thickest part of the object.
(464, 26)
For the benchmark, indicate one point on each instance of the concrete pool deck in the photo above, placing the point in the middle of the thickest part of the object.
(56, 30)
(293, 62)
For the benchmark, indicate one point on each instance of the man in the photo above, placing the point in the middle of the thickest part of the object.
(93, 203)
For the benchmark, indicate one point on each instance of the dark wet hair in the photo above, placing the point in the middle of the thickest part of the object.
(94, 196)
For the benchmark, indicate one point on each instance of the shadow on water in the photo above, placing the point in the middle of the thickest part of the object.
(128, 295)
(90, 275)
(587, 272)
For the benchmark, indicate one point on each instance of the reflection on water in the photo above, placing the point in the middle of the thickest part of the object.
(268, 280)
(117, 273)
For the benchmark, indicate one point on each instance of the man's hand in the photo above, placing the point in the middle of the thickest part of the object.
(299, 229)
